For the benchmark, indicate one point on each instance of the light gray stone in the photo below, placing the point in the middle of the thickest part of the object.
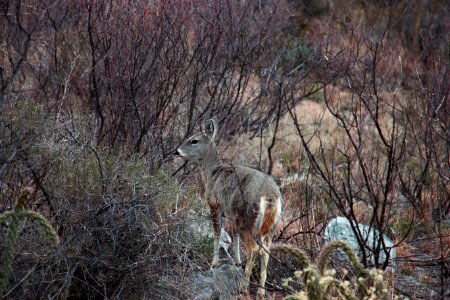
(201, 227)
(340, 229)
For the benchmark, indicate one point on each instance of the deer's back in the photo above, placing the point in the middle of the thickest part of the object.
(241, 191)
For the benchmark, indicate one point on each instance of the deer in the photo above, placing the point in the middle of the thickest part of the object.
(246, 197)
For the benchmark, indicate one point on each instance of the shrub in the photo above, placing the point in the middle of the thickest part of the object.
(120, 222)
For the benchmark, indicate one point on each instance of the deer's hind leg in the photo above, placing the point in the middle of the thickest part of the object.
(252, 251)
(236, 238)
(236, 252)
(266, 241)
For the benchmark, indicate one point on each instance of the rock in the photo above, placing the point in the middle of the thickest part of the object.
(415, 288)
(214, 284)
(201, 227)
(340, 229)
(220, 283)
(225, 240)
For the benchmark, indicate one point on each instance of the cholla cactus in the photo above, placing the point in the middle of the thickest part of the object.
(321, 284)
(16, 216)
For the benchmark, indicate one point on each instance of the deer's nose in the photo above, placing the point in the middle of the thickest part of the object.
(176, 153)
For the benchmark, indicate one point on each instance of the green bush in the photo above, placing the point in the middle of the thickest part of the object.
(121, 225)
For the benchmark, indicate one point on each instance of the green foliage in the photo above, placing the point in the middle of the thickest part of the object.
(11, 240)
(170, 198)
(288, 160)
(89, 173)
(200, 248)
(317, 93)
(314, 8)
(24, 117)
(321, 283)
(299, 56)
(402, 226)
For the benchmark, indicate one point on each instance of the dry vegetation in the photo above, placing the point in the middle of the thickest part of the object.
(346, 103)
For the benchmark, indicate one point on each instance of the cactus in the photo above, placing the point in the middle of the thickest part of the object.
(321, 283)
(16, 216)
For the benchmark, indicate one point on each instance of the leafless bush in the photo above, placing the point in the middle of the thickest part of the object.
(387, 145)
(94, 97)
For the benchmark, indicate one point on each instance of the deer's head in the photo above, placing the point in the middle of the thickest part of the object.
(201, 144)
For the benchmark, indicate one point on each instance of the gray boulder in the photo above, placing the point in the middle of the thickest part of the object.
(340, 229)
(201, 227)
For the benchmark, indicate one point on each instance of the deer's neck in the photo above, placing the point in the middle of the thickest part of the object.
(209, 163)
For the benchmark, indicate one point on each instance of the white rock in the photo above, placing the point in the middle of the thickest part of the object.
(340, 229)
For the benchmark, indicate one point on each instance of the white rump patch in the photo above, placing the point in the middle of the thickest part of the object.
(262, 211)
(279, 210)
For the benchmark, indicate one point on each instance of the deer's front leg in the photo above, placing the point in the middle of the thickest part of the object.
(237, 254)
(215, 218)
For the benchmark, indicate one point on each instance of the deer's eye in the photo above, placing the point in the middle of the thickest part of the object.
(194, 142)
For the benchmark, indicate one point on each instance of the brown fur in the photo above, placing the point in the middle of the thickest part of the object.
(268, 220)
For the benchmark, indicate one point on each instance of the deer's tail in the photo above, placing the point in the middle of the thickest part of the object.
(269, 214)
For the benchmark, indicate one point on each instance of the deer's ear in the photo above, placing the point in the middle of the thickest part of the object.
(210, 128)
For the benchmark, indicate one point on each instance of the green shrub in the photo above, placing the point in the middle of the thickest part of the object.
(402, 226)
